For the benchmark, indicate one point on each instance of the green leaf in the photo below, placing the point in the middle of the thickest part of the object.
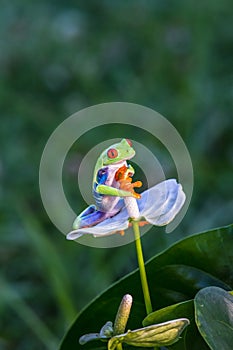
(214, 317)
(162, 334)
(191, 335)
(174, 276)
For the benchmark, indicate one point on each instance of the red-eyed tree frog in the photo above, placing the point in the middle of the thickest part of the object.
(107, 192)
(112, 189)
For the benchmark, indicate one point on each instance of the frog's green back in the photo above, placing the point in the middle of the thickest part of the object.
(99, 165)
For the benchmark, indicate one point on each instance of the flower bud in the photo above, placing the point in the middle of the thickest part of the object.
(122, 314)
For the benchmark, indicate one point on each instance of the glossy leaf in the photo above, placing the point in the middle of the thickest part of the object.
(214, 317)
(191, 335)
(174, 276)
(162, 334)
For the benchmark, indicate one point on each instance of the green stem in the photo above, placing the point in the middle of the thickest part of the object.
(141, 265)
(142, 270)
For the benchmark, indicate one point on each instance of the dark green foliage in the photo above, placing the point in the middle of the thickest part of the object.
(199, 269)
(214, 317)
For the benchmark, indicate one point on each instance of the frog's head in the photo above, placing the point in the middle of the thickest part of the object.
(118, 152)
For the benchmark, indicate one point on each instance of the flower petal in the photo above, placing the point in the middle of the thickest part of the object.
(161, 203)
(105, 228)
(88, 337)
(161, 334)
(104, 334)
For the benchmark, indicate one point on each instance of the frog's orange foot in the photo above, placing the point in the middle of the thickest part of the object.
(126, 185)
(143, 223)
(123, 176)
(137, 184)
(136, 195)
(140, 223)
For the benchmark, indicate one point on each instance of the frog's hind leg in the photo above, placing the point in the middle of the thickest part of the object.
(89, 217)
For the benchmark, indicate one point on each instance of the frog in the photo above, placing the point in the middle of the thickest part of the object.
(112, 182)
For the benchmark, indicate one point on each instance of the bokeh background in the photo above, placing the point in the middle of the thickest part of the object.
(57, 57)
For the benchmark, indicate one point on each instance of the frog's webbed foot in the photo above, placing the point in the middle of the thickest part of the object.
(124, 177)
(140, 223)
(89, 217)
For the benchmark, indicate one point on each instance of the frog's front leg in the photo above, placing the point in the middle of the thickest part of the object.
(112, 191)
(89, 217)
(124, 177)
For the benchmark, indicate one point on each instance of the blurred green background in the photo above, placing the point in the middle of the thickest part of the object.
(57, 57)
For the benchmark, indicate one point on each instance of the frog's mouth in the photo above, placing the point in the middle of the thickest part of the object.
(118, 164)
(130, 156)
(122, 162)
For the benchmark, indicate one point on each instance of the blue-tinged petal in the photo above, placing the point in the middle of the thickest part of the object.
(161, 203)
(105, 333)
(152, 200)
(171, 211)
(105, 228)
(88, 337)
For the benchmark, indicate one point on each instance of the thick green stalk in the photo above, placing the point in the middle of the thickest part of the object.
(142, 270)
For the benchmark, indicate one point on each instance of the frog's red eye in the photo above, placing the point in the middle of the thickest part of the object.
(112, 153)
(129, 142)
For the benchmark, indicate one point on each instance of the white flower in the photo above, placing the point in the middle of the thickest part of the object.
(158, 206)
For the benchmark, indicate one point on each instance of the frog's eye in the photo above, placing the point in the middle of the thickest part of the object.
(130, 143)
(112, 153)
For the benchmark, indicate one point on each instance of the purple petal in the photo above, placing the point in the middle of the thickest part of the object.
(105, 228)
